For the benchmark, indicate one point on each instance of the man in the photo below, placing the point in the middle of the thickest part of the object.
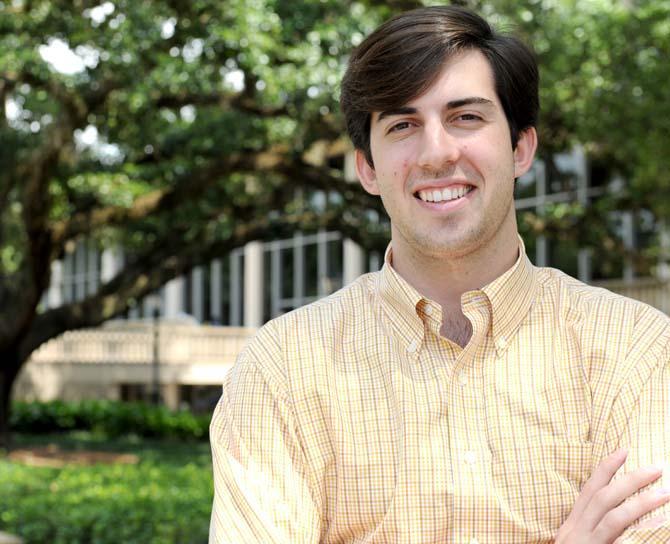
(460, 394)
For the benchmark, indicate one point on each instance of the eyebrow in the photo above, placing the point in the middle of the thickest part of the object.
(451, 105)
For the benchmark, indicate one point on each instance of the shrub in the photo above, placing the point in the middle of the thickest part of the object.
(165, 499)
(109, 418)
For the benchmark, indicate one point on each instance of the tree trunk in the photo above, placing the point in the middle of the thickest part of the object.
(8, 374)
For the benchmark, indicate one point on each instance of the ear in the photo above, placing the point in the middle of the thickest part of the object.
(366, 174)
(525, 151)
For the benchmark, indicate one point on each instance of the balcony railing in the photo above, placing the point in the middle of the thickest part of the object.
(651, 291)
(133, 343)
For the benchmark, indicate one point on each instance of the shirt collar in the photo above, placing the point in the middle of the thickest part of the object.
(511, 296)
(400, 301)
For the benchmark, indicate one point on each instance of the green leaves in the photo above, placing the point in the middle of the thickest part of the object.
(108, 418)
(164, 499)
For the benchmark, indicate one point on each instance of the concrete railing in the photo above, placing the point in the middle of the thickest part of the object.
(133, 342)
(652, 291)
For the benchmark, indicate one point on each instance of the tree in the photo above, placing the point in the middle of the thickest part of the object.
(179, 130)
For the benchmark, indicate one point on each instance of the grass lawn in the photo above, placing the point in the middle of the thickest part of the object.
(163, 498)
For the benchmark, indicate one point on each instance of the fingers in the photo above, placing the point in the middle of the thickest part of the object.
(605, 500)
(601, 477)
(605, 508)
(617, 520)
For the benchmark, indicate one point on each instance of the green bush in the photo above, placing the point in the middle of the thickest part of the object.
(164, 499)
(110, 418)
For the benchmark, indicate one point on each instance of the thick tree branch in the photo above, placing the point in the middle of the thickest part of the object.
(167, 260)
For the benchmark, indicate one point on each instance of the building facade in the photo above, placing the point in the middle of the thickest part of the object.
(221, 304)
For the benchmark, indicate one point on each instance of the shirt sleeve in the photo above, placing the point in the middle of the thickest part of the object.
(644, 405)
(262, 488)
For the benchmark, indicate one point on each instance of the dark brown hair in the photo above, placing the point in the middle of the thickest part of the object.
(402, 58)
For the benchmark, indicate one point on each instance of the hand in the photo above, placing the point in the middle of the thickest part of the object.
(604, 509)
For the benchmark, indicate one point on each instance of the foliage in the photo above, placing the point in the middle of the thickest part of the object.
(164, 499)
(108, 418)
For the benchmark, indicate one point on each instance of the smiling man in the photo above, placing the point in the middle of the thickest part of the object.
(460, 394)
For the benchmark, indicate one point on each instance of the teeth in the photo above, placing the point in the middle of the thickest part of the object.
(436, 195)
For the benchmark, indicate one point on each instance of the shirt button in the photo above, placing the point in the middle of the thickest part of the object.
(412, 347)
(429, 310)
(501, 342)
(462, 379)
(473, 541)
(470, 458)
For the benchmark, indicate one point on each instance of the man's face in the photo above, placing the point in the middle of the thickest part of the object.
(444, 164)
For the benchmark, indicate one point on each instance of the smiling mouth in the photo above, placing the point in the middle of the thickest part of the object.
(443, 195)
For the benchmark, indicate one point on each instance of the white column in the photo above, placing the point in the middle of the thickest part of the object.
(174, 298)
(68, 277)
(92, 272)
(582, 172)
(276, 280)
(353, 259)
(584, 264)
(197, 293)
(111, 263)
(298, 269)
(80, 256)
(171, 395)
(55, 293)
(253, 284)
(215, 291)
(235, 288)
(628, 235)
(323, 284)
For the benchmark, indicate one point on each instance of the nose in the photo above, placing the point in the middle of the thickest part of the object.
(439, 148)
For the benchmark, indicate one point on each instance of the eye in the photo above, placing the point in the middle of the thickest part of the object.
(402, 125)
(468, 117)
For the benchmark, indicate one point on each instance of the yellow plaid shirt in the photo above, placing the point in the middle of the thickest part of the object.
(352, 420)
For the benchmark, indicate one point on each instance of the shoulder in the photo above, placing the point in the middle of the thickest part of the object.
(592, 302)
(316, 326)
(607, 323)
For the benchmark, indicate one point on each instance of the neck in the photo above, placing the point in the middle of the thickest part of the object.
(444, 278)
